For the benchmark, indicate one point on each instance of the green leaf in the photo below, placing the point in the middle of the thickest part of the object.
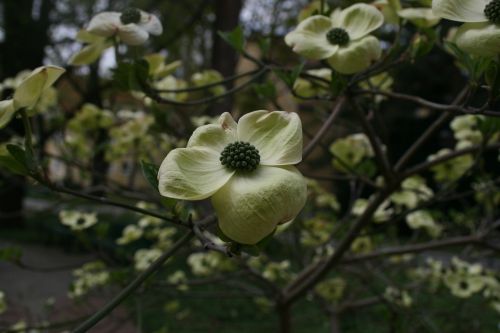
(289, 77)
(489, 125)
(338, 83)
(12, 165)
(266, 90)
(264, 44)
(131, 75)
(24, 158)
(423, 43)
(150, 172)
(234, 38)
(475, 67)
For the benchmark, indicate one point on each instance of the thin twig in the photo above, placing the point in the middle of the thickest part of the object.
(136, 283)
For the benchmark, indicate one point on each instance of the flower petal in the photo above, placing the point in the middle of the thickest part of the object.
(421, 17)
(7, 111)
(251, 205)
(53, 73)
(461, 10)
(87, 54)
(105, 24)
(191, 174)
(361, 19)
(31, 88)
(151, 23)
(481, 39)
(133, 34)
(85, 36)
(357, 56)
(277, 136)
(309, 38)
(215, 136)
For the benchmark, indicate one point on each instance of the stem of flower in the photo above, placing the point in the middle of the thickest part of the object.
(28, 133)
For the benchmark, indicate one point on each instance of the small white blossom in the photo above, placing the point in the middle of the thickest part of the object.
(133, 26)
(77, 220)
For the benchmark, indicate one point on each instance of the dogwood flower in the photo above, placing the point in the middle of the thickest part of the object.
(343, 38)
(76, 220)
(29, 91)
(480, 35)
(132, 26)
(247, 170)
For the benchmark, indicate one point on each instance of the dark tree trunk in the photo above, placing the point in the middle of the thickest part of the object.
(23, 48)
(224, 57)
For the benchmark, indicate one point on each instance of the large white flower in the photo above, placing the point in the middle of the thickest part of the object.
(480, 34)
(29, 91)
(343, 39)
(247, 170)
(132, 26)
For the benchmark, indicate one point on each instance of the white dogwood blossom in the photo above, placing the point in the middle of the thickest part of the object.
(132, 26)
(343, 39)
(247, 170)
(480, 35)
(29, 91)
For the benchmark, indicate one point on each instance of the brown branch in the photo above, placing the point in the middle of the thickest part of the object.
(429, 133)
(326, 126)
(432, 105)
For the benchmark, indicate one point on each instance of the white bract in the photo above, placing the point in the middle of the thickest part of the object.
(247, 170)
(95, 46)
(342, 39)
(29, 91)
(77, 220)
(480, 35)
(132, 26)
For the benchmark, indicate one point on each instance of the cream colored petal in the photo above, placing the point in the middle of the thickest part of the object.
(356, 56)
(309, 38)
(105, 24)
(251, 205)
(421, 17)
(461, 10)
(215, 136)
(133, 34)
(277, 136)
(191, 174)
(88, 54)
(481, 39)
(85, 36)
(31, 88)
(53, 73)
(361, 19)
(150, 23)
(336, 17)
(7, 111)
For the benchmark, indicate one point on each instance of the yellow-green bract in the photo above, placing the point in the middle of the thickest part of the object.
(249, 204)
(479, 35)
(310, 38)
(29, 91)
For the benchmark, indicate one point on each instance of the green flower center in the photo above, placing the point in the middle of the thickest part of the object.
(130, 15)
(338, 36)
(240, 155)
(463, 285)
(492, 11)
